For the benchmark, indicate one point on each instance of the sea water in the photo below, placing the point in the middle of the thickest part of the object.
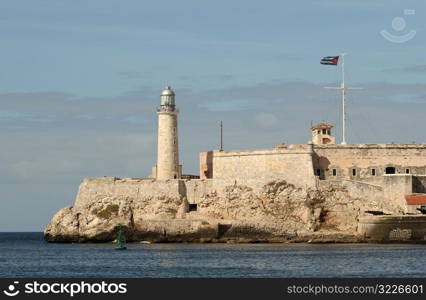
(27, 255)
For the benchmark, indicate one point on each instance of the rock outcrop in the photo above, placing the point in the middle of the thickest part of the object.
(211, 211)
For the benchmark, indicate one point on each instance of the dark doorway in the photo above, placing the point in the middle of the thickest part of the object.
(192, 207)
(390, 170)
(222, 229)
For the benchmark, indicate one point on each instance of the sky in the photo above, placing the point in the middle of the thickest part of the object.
(80, 82)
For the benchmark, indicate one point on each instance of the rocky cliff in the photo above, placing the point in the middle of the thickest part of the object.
(211, 210)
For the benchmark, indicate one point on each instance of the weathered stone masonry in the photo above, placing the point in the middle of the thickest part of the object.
(318, 191)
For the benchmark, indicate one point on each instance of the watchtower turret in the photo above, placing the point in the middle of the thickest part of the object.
(321, 134)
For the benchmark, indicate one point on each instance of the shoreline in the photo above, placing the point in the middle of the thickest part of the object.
(273, 242)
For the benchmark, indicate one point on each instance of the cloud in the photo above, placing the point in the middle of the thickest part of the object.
(412, 69)
(131, 74)
(11, 116)
(55, 158)
(40, 168)
(286, 57)
(266, 120)
(59, 111)
(225, 77)
(360, 4)
(136, 119)
(226, 105)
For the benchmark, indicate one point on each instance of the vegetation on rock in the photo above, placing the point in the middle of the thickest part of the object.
(108, 211)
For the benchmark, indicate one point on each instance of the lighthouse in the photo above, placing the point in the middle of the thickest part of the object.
(168, 147)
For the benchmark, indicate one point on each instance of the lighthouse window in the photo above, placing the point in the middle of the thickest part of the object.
(407, 171)
(334, 172)
(353, 172)
(373, 172)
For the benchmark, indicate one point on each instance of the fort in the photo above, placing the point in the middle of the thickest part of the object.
(318, 192)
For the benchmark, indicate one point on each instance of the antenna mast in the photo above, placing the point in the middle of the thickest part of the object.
(221, 136)
(343, 88)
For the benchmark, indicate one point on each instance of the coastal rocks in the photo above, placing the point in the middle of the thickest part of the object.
(174, 230)
(159, 211)
(64, 226)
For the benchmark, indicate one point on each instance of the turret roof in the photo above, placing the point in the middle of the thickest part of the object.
(322, 126)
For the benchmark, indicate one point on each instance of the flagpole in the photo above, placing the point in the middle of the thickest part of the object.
(343, 88)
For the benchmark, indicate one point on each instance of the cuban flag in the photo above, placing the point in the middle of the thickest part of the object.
(330, 60)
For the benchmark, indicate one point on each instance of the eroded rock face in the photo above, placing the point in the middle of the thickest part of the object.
(158, 211)
(64, 226)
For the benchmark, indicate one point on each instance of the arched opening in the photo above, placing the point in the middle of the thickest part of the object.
(390, 170)
(326, 141)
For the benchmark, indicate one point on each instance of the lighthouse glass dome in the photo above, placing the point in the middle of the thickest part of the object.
(167, 97)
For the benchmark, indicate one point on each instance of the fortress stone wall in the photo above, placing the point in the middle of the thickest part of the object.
(368, 162)
(389, 171)
(301, 164)
(92, 190)
(293, 164)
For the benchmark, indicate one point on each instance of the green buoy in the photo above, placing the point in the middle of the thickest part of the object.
(120, 240)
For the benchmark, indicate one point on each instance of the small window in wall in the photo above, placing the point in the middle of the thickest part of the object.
(328, 132)
(326, 141)
(373, 172)
(390, 170)
(319, 131)
(334, 172)
(407, 171)
(324, 131)
(192, 207)
(353, 172)
(318, 171)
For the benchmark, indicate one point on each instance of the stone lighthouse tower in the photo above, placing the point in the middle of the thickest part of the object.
(168, 148)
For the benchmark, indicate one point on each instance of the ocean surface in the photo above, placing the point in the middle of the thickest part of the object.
(27, 255)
